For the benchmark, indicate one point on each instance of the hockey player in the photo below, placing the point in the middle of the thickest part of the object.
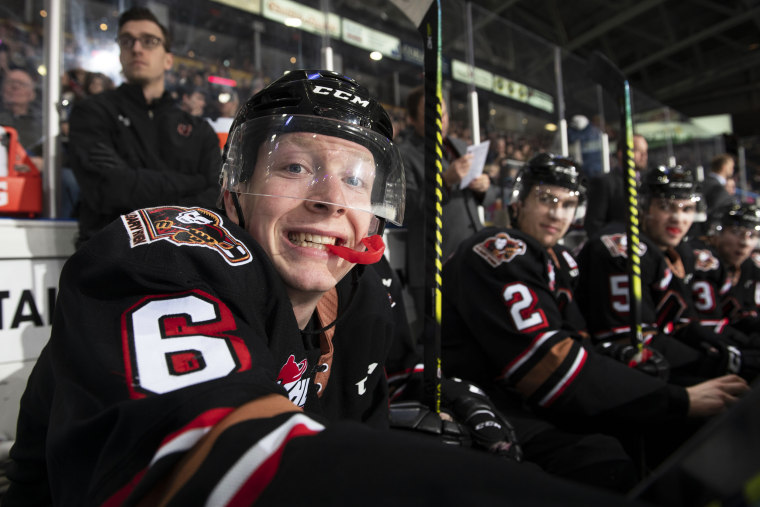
(726, 273)
(511, 326)
(198, 358)
(669, 198)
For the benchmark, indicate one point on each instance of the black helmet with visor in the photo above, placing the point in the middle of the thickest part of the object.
(363, 174)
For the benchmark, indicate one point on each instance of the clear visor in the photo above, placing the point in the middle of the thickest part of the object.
(317, 159)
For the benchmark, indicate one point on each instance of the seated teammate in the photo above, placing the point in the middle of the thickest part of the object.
(193, 360)
(512, 326)
(727, 276)
(668, 203)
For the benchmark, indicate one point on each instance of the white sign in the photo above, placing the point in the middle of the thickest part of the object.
(506, 87)
(371, 40)
(253, 6)
(312, 20)
(27, 298)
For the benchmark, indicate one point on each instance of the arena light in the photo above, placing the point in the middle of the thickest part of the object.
(376, 55)
(551, 127)
(224, 81)
(294, 22)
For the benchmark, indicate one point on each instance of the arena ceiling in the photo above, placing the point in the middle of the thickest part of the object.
(700, 57)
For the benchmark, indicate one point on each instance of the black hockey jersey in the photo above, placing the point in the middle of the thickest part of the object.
(743, 302)
(503, 329)
(708, 280)
(602, 290)
(166, 323)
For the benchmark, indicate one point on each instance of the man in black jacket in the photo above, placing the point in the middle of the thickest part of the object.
(460, 205)
(132, 147)
(606, 192)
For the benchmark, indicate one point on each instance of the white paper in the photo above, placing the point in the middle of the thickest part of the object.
(479, 154)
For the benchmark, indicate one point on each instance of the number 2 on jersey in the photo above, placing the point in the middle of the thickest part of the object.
(522, 301)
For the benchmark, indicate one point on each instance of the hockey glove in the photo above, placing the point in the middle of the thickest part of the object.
(488, 428)
(415, 416)
(651, 361)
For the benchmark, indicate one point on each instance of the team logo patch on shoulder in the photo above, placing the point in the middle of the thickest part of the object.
(617, 244)
(500, 248)
(185, 227)
(704, 260)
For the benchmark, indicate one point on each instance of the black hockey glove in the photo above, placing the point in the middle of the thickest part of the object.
(415, 416)
(473, 408)
(722, 357)
(651, 361)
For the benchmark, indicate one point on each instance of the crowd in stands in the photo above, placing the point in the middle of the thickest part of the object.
(587, 402)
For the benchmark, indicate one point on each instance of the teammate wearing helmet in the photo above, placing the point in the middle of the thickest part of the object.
(511, 325)
(669, 200)
(724, 278)
(736, 242)
(198, 358)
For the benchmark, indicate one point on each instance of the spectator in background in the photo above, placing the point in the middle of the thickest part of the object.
(193, 100)
(589, 144)
(461, 217)
(131, 147)
(18, 111)
(78, 84)
(606, 196)
(714, 188)
(96, 82)
(5, 62)
(227, 104)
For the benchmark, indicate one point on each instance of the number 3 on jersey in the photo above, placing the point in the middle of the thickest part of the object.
(522, 301)
(178, 340)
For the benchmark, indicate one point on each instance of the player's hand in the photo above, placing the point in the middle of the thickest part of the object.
(487, 427)
(648, 360)
(715, 395)
(480, 184)
(457, 170)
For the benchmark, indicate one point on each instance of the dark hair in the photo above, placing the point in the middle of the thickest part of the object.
(413, 101)
(191, 89)
(145, 14)
(717, 163)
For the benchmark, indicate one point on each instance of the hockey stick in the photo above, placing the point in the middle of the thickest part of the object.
(610, 78)
(427, 17)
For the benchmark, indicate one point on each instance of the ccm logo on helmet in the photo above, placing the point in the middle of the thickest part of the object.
(340, 94)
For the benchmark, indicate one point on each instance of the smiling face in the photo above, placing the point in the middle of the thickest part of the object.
(308, 190)
(546, 213)
(666, 221)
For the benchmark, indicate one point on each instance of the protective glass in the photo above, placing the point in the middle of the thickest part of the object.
(317, 159)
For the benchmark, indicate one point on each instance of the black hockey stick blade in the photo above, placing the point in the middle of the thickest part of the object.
(604, 72)
(428, 22)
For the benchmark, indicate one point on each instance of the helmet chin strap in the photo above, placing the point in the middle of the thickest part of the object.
(375, 248)
(238, 209)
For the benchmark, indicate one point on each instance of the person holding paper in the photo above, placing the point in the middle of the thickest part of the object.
(461, 218)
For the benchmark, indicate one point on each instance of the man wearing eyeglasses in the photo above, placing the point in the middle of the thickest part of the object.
(19, 112)
(132, 147)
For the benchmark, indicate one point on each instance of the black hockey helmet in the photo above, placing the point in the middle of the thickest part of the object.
(319, 102)
(741, 215)
(549, 169)
(671, 182)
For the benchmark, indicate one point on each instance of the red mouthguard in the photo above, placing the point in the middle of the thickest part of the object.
(375, 249)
